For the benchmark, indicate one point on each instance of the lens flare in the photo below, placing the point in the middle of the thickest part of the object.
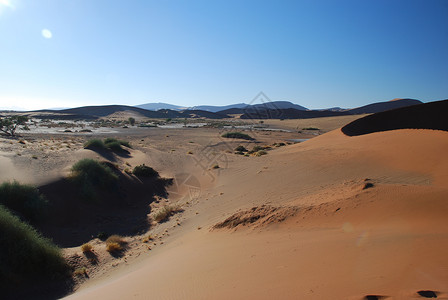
(47, 34)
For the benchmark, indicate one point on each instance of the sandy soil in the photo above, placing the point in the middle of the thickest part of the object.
(335, 217)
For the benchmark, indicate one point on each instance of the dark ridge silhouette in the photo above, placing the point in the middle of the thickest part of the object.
(431, 115)
(94, 112)
(289, 113)
(383, 106)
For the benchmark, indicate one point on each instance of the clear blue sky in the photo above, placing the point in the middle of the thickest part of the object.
(65, 53)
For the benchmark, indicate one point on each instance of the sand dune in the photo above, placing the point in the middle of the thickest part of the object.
(343, 218)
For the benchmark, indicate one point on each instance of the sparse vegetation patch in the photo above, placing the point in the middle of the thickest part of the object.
(88, 174)
(144, 171)
(237, 135)
(115, 243)
(111, 144)
(164, 213)
(25, 254)
(25, 200)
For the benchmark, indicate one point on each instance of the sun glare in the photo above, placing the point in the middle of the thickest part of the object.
(46, 33)
(4, 4)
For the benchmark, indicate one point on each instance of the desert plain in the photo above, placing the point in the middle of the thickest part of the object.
(318, 215)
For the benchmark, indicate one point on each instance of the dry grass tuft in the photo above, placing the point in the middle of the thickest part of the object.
(164, 213)
(147, 239)
(80, 272)
(115, 243)
(113, 247)
(86, 248)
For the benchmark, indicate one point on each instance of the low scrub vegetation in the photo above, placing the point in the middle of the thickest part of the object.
(165, 212)
(115, 243)
(310, 128)
(25, 254)
(111, 144)
(241, 149)
(144, 171)
(24, 200)
(88, 174)
(237, 135)
(86, 248)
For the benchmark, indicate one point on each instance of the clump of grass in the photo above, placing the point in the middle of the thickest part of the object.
(115, 243)
(147, 238)
(310, 128)
(241, 149)
(260, 153)
(108, 141)
(279, 144)
(25, 254)
(237, 135)
(88, 174)
(144, 171)
(94, 144)
(111, 144)
(86, 248)
(165, 212)
(25, 200)
(80, 271)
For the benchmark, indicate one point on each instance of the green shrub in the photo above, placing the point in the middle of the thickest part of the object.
(88, 174)
(310, 128)
(237, 135)
(25, 254)
(255, 149)
(24, 200)
(94, 144)
(240, 149)
(108, 141)
(260, 153)
(145, 171)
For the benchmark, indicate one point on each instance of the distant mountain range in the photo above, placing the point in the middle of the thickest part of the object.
(211, 108)
(159, 106)
(269, 110)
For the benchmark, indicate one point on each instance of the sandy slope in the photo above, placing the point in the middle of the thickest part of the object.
(331, 237)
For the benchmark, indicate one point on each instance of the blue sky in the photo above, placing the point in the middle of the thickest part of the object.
(66, 53)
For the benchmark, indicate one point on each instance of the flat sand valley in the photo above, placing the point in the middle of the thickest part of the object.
(334, 217)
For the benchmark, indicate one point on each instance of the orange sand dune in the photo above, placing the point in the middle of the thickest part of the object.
(356, 216)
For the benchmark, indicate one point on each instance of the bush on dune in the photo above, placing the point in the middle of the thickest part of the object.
(94, 144)
(25, 254)
(25, 200)
(89, 173)
(111, 144)
(237, 135)
(145, 171)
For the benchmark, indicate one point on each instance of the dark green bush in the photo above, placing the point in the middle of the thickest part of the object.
(310, 128)
(145, 171)
(237, 135)
(94, 144)
(25, 254)
(255, 149)
(108, 143)
(24, 200)
(240, 149)
(88, 174)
